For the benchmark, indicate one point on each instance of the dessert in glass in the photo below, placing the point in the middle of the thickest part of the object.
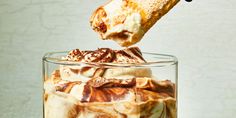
(107, 83)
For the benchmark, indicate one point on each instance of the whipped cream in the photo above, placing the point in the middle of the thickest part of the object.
(113, 8)
(132, 22)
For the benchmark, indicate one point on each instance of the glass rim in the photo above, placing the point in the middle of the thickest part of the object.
(168, 61)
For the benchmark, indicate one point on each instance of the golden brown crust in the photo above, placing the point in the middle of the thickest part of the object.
(154, 10)
(113, 24)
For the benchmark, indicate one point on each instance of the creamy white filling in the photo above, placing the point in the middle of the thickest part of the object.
(68, 75)
(60, 105)
(113, 7)
(76, 77)
(77, 91)
(49, 87)
(132, 24)
(127, 73)
(132, 21)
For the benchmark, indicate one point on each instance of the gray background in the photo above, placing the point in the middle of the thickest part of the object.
(201, 34)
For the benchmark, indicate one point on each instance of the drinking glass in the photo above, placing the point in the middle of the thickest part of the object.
(106, 90)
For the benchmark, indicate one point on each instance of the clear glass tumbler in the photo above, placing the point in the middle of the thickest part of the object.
(108, 90)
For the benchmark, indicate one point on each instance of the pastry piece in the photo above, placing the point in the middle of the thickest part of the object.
(126, 21)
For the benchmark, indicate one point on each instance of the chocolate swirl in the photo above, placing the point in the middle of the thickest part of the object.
(129, 55)
(101, 55)
(101, 82)
(139, 89)
(107, 55)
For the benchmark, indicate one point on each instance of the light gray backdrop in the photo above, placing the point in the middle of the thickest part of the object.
(201, 34)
